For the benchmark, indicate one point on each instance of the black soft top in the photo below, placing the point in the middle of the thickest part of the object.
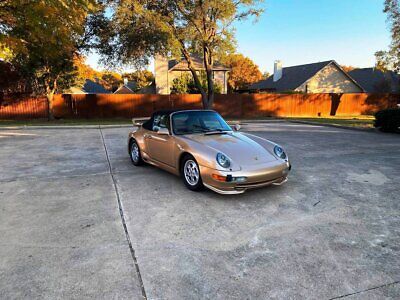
(148, 124)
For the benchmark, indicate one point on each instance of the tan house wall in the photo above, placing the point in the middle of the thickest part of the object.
(161, 75)
(329, 80)
(220, 78)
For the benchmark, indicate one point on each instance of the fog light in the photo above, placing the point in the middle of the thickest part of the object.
(239, 179)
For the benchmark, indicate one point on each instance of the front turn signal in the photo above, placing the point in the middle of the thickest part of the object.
(218, 177)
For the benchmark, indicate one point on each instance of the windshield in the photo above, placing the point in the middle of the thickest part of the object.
(188, 122)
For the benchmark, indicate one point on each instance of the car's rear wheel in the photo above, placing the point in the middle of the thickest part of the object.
(134, 152)
(190, 172)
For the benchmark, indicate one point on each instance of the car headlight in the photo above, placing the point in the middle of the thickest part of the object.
(279, 152)
(223, 160)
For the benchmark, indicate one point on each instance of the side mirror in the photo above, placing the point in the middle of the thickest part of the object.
(162, 131)
(236, 127)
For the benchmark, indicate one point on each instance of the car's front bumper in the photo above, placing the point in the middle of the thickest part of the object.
(275, 173)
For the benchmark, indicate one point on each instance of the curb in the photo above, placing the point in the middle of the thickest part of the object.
(35, 127)
(32, 127)
(334, 126)
(256, 121)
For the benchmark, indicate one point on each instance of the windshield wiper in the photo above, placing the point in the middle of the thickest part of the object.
(207, 130)
(202, 129)
(216, 131)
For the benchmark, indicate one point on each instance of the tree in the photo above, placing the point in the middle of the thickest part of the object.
(84, 71)
(111, 80)
(243, 71)
(185, 84)
(142, 78)
(42, 38)
(265, 75)
(140, 29)
(347, 68)
(11, 81)
(390, 60)
(385, 61)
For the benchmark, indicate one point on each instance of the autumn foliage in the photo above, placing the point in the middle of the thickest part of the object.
(243, 71)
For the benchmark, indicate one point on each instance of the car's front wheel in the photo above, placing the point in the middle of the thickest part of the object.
(190, 172)
(134, 152)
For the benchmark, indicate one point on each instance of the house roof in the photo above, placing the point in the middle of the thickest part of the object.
(181, 65)
(132, 85)
(123, 89)
(295, 76)
(91, 87)
(375, 81)
(149, 89)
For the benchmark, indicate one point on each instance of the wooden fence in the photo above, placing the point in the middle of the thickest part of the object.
(24, 109)
(234, 105)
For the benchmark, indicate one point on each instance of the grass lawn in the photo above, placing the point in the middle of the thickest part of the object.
(358, 121)
(65, 122)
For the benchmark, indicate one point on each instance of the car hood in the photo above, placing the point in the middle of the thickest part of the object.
(238, 147)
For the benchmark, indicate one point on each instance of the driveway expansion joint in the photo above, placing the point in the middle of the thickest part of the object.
(366, 290)
(121, 212)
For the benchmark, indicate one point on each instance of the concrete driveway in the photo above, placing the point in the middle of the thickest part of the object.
(77, 220)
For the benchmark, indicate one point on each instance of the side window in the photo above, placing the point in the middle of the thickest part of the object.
(161, 121)
(156, 121)
(164, 121)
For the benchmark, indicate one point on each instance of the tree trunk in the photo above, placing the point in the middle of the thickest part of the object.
(208, 64)
(50, 97)
(204, 98)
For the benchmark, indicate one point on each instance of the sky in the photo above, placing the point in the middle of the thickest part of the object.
(306, 31)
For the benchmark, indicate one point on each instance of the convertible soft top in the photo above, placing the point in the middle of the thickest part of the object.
(141, 121)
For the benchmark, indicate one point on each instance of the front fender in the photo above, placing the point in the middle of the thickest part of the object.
(204, 155)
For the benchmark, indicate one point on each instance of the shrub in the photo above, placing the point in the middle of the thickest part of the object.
(388, 120)
(184, 84)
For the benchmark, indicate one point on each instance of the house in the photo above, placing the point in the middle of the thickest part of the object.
(167, 70)
(89, 87)
(373, 80)
(321, 77)
(127, 88)
(149, 89)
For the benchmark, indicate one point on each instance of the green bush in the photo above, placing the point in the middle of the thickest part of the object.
(184, 84)
(388, 120)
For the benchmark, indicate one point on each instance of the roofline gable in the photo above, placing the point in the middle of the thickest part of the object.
(340, 69)
(123, 86)
(348, 75)
(316, 72)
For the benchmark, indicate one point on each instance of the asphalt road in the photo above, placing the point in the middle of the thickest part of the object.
(77, 220)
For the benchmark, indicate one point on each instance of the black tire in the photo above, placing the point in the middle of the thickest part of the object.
(136, 158)
(193, 180)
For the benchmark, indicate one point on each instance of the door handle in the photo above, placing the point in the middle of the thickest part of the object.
(148, 136)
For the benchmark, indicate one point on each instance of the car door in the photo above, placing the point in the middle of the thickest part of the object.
(160, 147)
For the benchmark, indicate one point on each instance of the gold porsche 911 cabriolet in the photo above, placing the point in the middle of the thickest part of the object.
(202, 148)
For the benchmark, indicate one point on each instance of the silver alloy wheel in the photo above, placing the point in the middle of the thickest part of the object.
(191, 172)
(135, 152)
